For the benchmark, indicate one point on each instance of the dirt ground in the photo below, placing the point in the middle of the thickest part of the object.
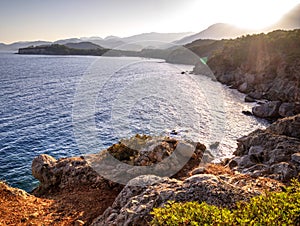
(70, 208)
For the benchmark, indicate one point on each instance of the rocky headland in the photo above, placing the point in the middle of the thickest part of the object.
(266, 67)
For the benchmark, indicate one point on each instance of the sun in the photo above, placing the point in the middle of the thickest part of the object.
(259, 15)
(253, 15)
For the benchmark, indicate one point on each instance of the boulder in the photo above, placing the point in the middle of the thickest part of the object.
(283, 170)
(268, 110)
(244, 88)
(286, 109)
(41, 169)
(249, 99)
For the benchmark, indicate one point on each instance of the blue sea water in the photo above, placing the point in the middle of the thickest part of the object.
(38, 95)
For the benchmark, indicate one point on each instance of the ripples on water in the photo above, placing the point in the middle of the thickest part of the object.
(136, 96)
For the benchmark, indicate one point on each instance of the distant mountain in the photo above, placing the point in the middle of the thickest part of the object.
(216, 31)
(111, 37)
(138, 42)
(155, 40)
(154, 36)
(134, 43)
(83, 45)
(90, 38)
(69, 40)
(289, 21)
(108, 43)
(17, 45)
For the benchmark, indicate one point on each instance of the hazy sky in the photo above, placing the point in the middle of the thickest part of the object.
(57, 19)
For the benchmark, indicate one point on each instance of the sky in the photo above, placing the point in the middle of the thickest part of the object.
(28, 20)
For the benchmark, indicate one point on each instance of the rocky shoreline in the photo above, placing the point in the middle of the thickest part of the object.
(273, 152)
(265, 160)
(266, 67)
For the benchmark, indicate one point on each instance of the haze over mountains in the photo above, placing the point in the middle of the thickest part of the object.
(219, 31)
(159, 40)
(136, 42)
(289, 21)
(216, 31)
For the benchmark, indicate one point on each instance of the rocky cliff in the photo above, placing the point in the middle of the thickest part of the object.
(264, 66)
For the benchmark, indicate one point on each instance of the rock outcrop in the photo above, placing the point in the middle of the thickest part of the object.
(67, 173)
(273, 152)
(135, 202)
(64, 174)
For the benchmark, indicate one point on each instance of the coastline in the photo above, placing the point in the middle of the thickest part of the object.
(70, 188)
(73, 188)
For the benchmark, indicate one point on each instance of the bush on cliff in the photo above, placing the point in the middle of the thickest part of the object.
(273, 208)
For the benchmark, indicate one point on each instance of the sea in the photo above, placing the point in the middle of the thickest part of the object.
(76, 105)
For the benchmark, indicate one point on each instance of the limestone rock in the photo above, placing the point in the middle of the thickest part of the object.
(134, 203)
(273, 152)
(137, 151)
(42, 170)
(64, 173)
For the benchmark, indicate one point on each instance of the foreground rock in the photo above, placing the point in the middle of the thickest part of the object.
(135, 202)
(76, 184)
(273, 152)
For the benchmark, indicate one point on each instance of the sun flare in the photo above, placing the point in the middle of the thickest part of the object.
(259, 16)
(253, 15)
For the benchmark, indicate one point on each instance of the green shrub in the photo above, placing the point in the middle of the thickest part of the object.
(274, 208)
(281, 208)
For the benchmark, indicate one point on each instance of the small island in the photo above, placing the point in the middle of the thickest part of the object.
(83, 48)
